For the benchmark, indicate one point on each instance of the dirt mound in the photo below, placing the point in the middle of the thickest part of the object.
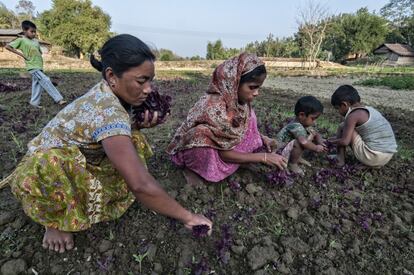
(10, 60)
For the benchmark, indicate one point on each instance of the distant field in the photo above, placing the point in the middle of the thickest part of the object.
(394, 82)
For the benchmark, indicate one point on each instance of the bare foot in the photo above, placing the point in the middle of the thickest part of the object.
(37, 106)
(62, 102)
(57, 240)
(304, 162)
(338, 161)
(294, 167)
(192, 178)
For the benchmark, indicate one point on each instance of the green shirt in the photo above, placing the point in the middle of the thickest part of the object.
(290, 132)
(31, 51)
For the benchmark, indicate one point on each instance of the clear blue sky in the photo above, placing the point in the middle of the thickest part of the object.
(185, 26)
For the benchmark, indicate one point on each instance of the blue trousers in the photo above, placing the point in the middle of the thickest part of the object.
(41, 81)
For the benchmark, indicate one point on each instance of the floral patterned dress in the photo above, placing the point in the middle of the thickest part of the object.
(65, 181)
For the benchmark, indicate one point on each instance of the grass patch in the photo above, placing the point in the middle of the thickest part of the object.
(404, 152)
(17, 71)
(394, 82)
(342, 71)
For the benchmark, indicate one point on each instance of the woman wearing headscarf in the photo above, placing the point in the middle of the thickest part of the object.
(220, 131)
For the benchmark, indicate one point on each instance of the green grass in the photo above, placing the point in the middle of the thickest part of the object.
(404, 152)
(394, 82)
(16, 71)
(341, 71)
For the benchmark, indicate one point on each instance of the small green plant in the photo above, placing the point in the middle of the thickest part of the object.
(18, 142)
(278, 230)
(111, 235)
(139, 258)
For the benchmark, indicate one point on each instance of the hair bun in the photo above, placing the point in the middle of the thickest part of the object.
(96, 63)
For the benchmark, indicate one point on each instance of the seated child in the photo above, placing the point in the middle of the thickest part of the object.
(365, 129)
(296, 137)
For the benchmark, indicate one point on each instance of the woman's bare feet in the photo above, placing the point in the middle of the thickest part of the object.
(57, 240)
(62, 102)
(192, 178)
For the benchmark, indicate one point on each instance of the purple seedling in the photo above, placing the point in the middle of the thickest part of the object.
(223, 245)
(104, 265)
(155, 102)
(200, 231)
(281, 178)
(234, 186)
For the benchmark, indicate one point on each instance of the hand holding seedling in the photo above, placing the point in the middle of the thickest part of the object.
(332, 140)
(321, 148)
(197, 220)
(269, 143)
(147, 123)
(275, 160)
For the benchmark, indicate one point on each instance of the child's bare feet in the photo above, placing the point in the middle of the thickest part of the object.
(192, 178)
(304, 162)
(62, 102)
(294, 167)
(57, 240)
(338, 161)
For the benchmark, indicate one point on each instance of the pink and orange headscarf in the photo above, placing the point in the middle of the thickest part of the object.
(217, 120)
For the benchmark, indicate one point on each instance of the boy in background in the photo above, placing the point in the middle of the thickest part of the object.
(28, 48)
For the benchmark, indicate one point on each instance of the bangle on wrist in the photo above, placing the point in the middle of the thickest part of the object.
(265, 158)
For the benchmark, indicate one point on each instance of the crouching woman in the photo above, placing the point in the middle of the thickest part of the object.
(88, 163)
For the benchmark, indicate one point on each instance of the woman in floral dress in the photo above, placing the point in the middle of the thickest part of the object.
(88, 163)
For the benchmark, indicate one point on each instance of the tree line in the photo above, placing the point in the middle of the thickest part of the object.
(79, 28)
(333, 37)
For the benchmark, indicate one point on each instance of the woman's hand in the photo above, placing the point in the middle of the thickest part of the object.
(146, 123)
(196, 219)
(269, 143)
(321, 149)
(275, 160)
(333, 140)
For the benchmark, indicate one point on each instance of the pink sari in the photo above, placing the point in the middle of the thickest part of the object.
(206, 161)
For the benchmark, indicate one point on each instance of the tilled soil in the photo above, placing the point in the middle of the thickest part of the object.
(331, 221)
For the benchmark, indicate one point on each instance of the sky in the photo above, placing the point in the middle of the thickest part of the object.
(186, 26)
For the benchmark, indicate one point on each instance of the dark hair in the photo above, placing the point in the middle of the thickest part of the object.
(253, 75)
(345, 93)
(26, 24)
(122, 52)
(309, 105)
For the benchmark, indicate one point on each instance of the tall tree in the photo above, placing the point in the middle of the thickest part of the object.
(25, 9)
(397, 11)
(355, 34)
(216, 50)
(312, 22)
(7, 18)
(75, 25)
(401, 15)
(274, 47)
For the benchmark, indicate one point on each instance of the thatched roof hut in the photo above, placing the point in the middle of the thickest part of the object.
(396, 54)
